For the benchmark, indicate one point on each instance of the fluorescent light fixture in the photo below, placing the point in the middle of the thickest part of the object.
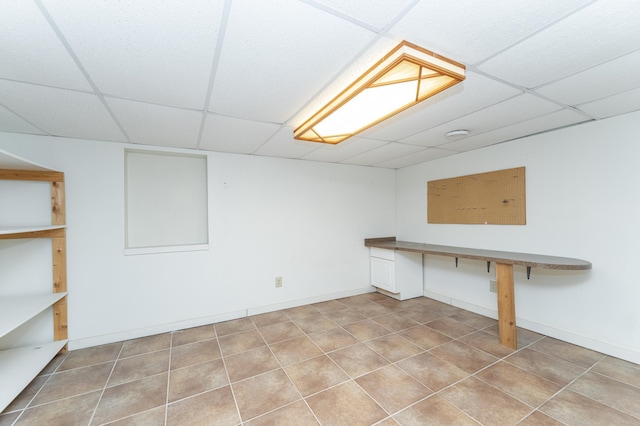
(404, 77)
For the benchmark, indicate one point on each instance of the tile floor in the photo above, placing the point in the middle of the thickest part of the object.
(360, 360)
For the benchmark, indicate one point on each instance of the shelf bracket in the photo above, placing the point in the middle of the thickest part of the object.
(528, 272)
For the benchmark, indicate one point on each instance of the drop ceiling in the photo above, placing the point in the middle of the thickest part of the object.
(239, 75)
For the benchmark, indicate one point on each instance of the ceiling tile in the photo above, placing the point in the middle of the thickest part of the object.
(387, 152)
(417, 158)
(227, 134)
(614, 105)
(9, 122)
(377, 13)
(32, 52)
(277, 55)
(616, 76)
(157, 125)
(149, 51)
(347, 149)
(474, 93)
(469, 31)
(514, 110)
(596, 34)
(61, 112)
(546, 122)
(283, 145)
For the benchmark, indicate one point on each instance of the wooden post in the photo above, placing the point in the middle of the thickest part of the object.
(59, 258)
(506, 306)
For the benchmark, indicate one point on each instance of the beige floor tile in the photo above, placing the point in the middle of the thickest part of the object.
(474, 320)
(74, 382)
(372, 310)
(300, 312)
(145, 345)
(434, 411)
(315, 375)
(315, 323)
(394, 347)
(53, 365)
(295, 350)
(215, 407)
(575, 354)
(394, 322)
(329, 306)
(188, 381)
(153, 417)
(295, 414)
(344, 317)
(264, 393)
(240, 342)
(192, 335)
(269, 318)
(419, 315)
(520, 384)
(137, 367)
(346, 404)
(539, 419)
(451, 327)
(573, 409)
(486, 342)
(355, 301)
(365, 330)
(282, 331)
(91, 356)
(547, 366)
(392, 388)
(485, 403)
(234, 326)
(424, 337)
(334, 339)
(358, 359)
(194, 353)
(22, 400)
(464, 356)
(608, 391)
(9, 418)
(432, 371)
(250, 363)
(131, 398)
(619, 369)
(76, 410)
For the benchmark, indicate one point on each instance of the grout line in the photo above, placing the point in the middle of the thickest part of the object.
(115, 362)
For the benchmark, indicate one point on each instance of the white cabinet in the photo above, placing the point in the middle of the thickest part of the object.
(397, 274)
(28, 308)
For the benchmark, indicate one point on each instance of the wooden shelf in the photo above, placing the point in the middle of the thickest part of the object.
(20, 366)
(46, 231)
(16, 310)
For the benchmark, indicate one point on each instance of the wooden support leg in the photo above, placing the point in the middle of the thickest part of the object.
(506, 306)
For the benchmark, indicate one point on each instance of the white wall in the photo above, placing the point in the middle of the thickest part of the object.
(582, 202)
(268, 217)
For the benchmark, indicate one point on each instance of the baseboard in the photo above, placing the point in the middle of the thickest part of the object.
(548, 330)
(197, 322)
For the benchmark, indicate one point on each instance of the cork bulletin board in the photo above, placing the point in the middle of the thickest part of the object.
(496, 198)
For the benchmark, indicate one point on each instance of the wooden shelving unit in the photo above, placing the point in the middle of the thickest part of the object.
(20, 365)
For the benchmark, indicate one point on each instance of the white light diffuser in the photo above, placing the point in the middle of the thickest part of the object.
(404, 77)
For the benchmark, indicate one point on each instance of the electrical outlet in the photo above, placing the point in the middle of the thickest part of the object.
(493, 286)
(278, 282)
